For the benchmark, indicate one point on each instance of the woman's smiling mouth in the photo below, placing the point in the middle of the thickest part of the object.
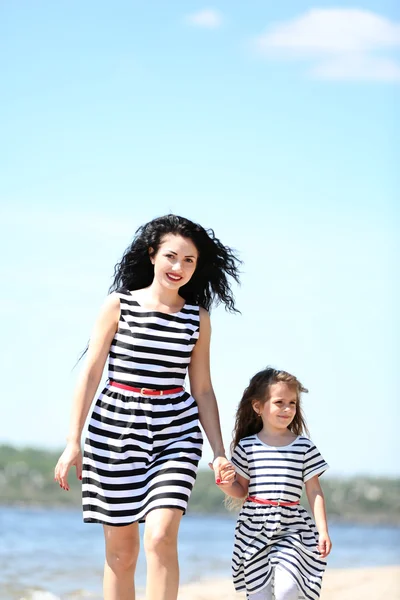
(173, 277)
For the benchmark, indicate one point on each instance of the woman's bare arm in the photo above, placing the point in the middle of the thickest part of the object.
(202, 390)
(88, 382)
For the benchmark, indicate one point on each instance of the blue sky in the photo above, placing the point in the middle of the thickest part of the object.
(275, 126)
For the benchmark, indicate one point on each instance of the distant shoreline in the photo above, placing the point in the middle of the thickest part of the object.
(374, 521)
(27, 479)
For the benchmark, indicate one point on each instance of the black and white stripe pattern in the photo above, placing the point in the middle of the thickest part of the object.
(142, 452)
(270, 536)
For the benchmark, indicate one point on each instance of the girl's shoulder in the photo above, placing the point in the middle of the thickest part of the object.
(304, 443)
(300, 441)
(247, 441)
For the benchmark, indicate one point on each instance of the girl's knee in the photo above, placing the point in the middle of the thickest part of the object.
(264, 594)
(285, 587)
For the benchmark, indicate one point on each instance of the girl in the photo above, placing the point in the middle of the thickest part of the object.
(277, 547)
(144, 441)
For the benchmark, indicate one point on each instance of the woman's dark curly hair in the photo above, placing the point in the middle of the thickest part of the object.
(247, 421)
(209, 283)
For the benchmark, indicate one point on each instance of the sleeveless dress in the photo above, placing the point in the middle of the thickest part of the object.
(268, 536)
(142, 452)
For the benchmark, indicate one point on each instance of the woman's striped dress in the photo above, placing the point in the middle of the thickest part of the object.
(277, 536)
(142, 452)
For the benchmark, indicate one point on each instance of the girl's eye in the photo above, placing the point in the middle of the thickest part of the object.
(189, 260)
(169, 255)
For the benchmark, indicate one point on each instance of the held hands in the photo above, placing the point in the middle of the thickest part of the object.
(223, 470)
(72, 456)
(324, 544)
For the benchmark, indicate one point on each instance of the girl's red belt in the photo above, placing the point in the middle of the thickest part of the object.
(271, 502)
(146, 391)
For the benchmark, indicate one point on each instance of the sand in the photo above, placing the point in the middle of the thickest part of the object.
(381, 583)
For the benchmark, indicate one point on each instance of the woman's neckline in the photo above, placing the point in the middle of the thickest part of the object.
(160, 312)
(275, 447)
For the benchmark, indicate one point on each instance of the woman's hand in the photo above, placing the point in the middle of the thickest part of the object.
(72, 456)
(223, 470)
(324, 544)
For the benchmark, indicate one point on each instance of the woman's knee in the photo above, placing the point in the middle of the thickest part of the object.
(160, 540)
(121, 560)
(122, 549)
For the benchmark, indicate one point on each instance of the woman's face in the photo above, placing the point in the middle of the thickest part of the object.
(175, 261)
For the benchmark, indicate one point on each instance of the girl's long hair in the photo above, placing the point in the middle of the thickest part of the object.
(209, 283)
(247, 422)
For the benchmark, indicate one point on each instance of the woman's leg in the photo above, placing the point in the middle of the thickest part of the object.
(161, 545)
(285, 587)
(122, 550)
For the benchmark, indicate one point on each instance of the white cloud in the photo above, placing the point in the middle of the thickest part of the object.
(340, 44)
(208, 19)
(358, 67)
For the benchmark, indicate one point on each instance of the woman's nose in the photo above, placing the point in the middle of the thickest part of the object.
(177, 266)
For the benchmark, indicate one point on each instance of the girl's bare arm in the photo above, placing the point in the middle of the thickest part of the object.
(317, 504)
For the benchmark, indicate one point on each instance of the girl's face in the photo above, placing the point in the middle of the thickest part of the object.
(280, 408)
(175, 261)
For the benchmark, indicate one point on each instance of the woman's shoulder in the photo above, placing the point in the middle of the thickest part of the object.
(204, 314)
(121, 291)
(111, 301)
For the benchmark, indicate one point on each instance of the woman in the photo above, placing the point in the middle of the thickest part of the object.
(144, 441)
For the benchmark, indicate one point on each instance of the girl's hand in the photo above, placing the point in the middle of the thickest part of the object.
(224, 471)
(72, 456)
(324, 544)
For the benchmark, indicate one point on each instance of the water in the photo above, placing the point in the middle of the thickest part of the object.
(48, 554)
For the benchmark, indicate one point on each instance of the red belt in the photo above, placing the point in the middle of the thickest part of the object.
(146, 391)
(272, 502)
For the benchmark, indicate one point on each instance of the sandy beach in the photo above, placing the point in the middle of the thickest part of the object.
(381, 583)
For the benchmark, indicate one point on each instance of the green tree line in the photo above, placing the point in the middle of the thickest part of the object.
(26, 478)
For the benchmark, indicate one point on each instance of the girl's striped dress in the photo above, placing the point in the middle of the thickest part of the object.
(268, 536)
(142, 452)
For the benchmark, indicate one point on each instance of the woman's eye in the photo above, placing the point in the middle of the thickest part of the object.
(189, 260)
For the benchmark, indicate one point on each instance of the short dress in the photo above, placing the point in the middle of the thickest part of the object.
(142, 452)
(268, 536)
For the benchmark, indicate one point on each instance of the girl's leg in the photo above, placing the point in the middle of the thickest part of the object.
(161, 545)
(122, 550)
(285, 587)
(264, 594)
